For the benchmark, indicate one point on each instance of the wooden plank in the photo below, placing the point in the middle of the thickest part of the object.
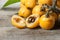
(8, 32)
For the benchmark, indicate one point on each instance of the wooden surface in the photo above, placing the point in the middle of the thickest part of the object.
(8, 32)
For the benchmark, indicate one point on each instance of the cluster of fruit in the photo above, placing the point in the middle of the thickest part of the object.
(34, 13)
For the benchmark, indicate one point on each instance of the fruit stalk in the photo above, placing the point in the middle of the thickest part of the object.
(53, 7)
(56, 10)
(48, 12)
(54, 3)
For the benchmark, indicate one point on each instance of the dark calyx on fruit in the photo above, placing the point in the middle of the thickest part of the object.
(17, 19)
(29, 8)
(31, 19)
(44, 6)
(42, 9)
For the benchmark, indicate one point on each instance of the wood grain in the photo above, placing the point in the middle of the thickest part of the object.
(8, 32)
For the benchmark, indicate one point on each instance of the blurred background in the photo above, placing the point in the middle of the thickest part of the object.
(7, 12)
(15, 5)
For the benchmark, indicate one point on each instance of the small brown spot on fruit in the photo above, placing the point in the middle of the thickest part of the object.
(17, 19)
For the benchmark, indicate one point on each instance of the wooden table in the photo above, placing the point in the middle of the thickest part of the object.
(8, 32)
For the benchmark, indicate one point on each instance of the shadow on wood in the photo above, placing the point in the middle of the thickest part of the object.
(57, 26)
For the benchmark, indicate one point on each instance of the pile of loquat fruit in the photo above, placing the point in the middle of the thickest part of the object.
(34, 13)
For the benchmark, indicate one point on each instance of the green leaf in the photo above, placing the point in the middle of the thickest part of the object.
(9, 2)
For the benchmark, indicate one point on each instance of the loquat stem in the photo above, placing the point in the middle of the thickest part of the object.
(51, 8)
(48, 12)
(54, 3)
(56, 10)
(54, 7)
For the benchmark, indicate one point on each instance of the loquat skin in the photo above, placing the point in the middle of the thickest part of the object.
(24, 12)
(37, 10)
(23, 1)
(30, 3)
(21, 5)
(48, 2)
(18, 21)
(58, 3)
(58, 17)
(55, 16)
(46, 23)
(32, 24)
